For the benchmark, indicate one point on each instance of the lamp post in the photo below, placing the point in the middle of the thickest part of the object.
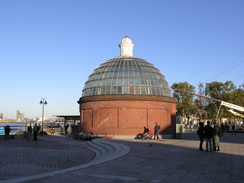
(43, 102)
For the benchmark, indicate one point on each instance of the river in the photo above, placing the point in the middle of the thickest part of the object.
(19, 127)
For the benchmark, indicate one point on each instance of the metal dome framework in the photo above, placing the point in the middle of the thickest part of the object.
(126, 76)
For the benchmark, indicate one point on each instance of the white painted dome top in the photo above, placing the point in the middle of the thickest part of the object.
(126, 47)
(126, 40)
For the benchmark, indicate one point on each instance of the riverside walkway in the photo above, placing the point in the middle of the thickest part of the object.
(62, 159)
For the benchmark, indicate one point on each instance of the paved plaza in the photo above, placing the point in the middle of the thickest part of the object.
(62, 159)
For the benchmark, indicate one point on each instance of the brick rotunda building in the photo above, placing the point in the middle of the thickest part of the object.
(124, 95)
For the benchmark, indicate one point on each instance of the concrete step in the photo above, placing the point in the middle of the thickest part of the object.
(106, 150)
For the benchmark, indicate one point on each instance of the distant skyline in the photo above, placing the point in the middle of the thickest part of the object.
(49, 48)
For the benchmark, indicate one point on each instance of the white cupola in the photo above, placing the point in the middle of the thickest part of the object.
(126, 47)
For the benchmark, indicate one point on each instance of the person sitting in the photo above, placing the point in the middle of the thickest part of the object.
(51, 130)
(149, 135)
(92, 135)
(145, 131)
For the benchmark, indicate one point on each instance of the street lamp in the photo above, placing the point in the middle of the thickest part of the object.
(43, 102)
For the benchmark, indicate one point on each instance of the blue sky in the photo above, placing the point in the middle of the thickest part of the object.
(48, 48)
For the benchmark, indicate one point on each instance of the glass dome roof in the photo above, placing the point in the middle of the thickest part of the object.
(126, 75)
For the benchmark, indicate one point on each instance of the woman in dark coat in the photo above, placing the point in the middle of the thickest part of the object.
(200, 133)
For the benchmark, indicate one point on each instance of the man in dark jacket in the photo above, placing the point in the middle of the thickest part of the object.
(208, 134)
(217, 133)
(200, 133)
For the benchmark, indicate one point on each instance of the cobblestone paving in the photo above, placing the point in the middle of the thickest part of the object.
(19, 157)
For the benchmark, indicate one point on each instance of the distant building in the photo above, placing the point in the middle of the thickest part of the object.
(124, 95)
(19, 116)
(1, 115)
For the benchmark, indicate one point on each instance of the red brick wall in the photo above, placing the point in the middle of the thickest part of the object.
(127, 117)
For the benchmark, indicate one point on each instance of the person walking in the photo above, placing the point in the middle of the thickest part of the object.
(35, 130)
(156, 130)
(233, 129)
(70, 130)
(29, 132)
(7, 130)
(208, 134)
(200, 133)
(226, 128)
(217, 134)
(223, 127)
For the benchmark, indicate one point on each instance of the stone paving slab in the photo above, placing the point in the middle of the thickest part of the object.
(165, 160)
